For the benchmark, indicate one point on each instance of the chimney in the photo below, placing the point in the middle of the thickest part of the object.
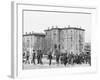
(48, 28)
(52, 26)
(56, 26)
(68, 26)
(32, 32)
(26, 32)
(65, 27)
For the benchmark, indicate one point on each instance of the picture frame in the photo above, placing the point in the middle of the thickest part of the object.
(17, 23)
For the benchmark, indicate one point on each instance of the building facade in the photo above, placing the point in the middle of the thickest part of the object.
(33, 41)
(87, 48)
(70, 40)
(65, 40)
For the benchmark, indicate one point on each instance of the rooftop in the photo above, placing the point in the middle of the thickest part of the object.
(35, 34)
(65, 28)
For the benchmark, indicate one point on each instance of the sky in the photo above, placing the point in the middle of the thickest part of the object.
(37, 21)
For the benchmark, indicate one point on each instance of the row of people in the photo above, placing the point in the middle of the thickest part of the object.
(76, 59)
(60, 58)
(70, 58)
(38, 56)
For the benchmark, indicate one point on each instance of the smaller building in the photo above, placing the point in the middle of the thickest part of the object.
(33, 41)
(87, 48)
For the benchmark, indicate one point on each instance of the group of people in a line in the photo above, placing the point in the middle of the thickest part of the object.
(71, 58)
(34, 56)
(75, 59)
(64, 58)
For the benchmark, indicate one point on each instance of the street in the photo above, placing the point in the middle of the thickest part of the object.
(53, 65)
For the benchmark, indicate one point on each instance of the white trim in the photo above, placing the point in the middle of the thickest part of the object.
(17, 38)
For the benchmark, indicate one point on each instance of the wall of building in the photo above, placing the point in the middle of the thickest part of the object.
(67, 40)
(33, 42)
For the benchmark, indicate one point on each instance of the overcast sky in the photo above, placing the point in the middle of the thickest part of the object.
(39, 21)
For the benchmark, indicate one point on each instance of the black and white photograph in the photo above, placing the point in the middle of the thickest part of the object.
(53, 39)
(56, 39)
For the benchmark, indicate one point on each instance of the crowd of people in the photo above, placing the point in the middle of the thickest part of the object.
(60, 58)
(76, 59)
(35, 55)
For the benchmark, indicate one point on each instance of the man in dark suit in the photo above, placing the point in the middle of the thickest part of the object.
(27, 57)
(33, 57)
(38, 57)
(50, 57)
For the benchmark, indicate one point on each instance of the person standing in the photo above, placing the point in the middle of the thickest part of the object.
(27, 57)
(72, 58)
(33, 57)
(24, 57)
(65, 59)
(50, 57)
(57, 56)
(41, 56)
(38, 57)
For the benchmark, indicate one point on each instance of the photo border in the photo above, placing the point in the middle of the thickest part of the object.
(16, 70)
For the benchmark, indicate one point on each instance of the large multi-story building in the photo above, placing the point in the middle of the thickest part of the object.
(33, 41)
(70, 40)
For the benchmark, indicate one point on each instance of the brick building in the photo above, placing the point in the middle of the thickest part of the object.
(68, 40)
(33, 41)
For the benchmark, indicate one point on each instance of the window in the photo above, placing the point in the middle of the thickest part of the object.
(59, 46)
(54, 33)
(46, 33)
(62, 47)
(55, 46)
(28, 43)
